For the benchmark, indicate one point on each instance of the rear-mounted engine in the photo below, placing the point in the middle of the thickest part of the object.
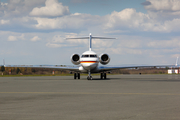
(104, 59)
(75, 59)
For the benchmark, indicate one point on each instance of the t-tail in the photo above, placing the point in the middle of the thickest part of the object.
(90, 39)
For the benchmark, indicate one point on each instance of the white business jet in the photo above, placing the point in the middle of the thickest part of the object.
(88, 62)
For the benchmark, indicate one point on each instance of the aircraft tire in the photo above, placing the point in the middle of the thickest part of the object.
(89, 78)
(78, 75)
(74, 75)
(105, 76)
(101, 76)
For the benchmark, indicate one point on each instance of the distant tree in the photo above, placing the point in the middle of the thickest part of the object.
(33, 70)
(18, 70)
(2, 69)
(167, 68)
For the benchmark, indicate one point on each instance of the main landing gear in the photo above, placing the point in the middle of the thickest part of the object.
(76, 75)
(103, 75)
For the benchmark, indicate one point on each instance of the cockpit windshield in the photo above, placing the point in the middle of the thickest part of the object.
(85, 55)
(94, 56)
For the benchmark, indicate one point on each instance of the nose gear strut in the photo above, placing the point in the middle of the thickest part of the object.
(89, 76)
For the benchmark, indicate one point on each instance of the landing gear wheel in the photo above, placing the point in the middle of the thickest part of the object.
(74, 75)
(103, 75)
(89, 78)
(78, 75)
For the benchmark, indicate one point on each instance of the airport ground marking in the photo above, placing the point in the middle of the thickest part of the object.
(89, 93)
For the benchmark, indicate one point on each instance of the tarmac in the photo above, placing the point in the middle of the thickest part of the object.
(120, 97)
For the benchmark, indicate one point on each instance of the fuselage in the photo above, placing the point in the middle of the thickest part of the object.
(89, 61)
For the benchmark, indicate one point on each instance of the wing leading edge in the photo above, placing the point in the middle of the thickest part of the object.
(76, 68)
(108, 68)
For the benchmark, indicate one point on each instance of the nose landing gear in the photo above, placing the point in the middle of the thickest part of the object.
(89, 76)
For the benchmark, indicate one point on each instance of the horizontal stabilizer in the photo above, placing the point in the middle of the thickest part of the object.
(79, 38)
(91, 38)
(102, 38)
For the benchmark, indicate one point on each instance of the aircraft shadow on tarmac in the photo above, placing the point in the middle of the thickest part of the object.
(99, 79)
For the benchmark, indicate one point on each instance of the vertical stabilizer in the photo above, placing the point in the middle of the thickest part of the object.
(90, 42)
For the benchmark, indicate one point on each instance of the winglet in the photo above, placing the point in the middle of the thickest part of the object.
(177, 61)
(4, 63)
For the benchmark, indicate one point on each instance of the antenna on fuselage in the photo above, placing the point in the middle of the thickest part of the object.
(90, 39)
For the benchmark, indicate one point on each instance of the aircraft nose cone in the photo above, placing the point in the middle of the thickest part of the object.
(89, 66)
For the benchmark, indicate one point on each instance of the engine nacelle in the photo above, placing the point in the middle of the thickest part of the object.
(75, 59)
(104, 59)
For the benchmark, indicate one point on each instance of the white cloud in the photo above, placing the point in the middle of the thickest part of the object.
(4, 22)
(123, 21)
(163, 5)
(60, 41)
(16, 38)
(18, 8)
(80, 21)
(12, 38)
(35, 38)
(130, 19)
(53, 45)
(4, 4)
(52, 9)
(127, 17)
(163, 10)
(172, 43)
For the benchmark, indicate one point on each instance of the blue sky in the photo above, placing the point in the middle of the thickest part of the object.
(33, 32)
(102, 7)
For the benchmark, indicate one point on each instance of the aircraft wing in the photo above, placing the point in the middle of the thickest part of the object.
(108, 68)
(71, 68)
